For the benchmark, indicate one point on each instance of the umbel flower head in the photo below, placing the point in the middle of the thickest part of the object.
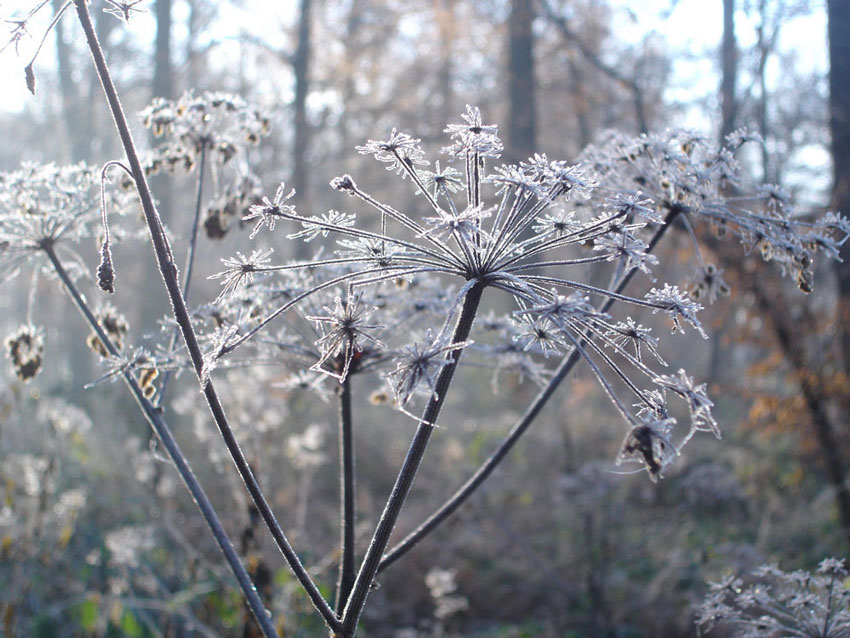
(42, 205)
(683, 173)
(221, 122)
(531, 231)
(218, 128)
(778, 603)
(344, 328)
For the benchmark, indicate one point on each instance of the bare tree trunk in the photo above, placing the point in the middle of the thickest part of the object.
(839, 122)
(764, 45)
(447, 28)
(77, 141)
(521, 85)
(728, 122)
(163, 86)
(580, 102)
(352, 29)
(301, 71)
(729, 70)
(163, 72)
(816, 403)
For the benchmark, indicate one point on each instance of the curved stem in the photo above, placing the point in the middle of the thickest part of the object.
(486, 468)
(407, 473)
(193, 237)
(168, 271)
(348, 514)
(160, 427)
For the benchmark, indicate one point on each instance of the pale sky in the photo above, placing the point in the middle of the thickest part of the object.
(692, 26)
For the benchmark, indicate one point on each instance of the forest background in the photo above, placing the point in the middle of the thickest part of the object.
(99, 538)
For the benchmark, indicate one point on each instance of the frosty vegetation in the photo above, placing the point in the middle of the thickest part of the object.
(496, 266)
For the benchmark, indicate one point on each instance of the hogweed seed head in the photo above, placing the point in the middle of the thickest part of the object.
(512, 234)
(520, 230)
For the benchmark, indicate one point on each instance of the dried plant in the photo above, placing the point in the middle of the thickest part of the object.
(396, 295)
(776, 603)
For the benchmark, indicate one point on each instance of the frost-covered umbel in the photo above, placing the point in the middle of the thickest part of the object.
(43, 205)
(684, 173)
(531, 231)
(774, 603)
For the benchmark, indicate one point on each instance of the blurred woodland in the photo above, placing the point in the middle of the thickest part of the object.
(98, 537)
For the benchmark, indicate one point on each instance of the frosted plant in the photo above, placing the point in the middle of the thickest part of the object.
(241, 270)
(397, 296)
(364, 304)
(209, 129)
(325, 330)
(44, 205)
(502, 236)
(219, 122)
(684, 173)
(778, 604)
(505, 231)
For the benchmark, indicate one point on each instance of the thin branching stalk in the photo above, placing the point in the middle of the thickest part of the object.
(486, 468)
(190, 261)
(407, 473)
(168, 271)
(193, 237)
(381, 272)
(160, 427)
(348, 514)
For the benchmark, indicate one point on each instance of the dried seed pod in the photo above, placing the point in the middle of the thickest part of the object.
(147, 376)
(805, 281)
(215, 225)
(25, 349)
(30, 77)
(380, 397)
(115, 326)
(106, 271)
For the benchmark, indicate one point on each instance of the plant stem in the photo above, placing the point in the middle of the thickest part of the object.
(190, 260)
(193, 238)
(348, 514)
(160, 427)
(407, 473)
(480, 475)
(168, 271)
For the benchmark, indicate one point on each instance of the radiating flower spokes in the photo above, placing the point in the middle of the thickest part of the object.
(344, 328)
(123, 10)
(43, 205)
(473, 137)
(678, 306)
(312, 230)
(511, 245)
(398, 151)
(270, 211)
(241, 271)
(695, 396)
(419, 363)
